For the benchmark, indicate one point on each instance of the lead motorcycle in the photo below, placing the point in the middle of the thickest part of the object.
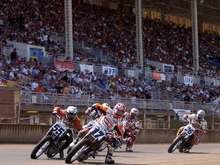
(53, 141)
(88, 145)
(184, 139)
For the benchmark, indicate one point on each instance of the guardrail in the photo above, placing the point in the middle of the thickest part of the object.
(86, 100)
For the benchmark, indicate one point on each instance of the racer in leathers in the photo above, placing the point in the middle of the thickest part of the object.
(198, 121)
(132, 127)
(109, 118)
(91, 114)
(95, 111)
(71, 120)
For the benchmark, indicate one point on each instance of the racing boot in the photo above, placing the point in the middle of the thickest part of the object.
(61, 155)
(108, 159)
(128, 149)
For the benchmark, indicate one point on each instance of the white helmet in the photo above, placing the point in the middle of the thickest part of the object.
(134, 111)
(71, 112)
(200, 114)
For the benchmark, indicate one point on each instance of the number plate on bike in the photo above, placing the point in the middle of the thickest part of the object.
(189, 129)
(58, 129)
(97, 133)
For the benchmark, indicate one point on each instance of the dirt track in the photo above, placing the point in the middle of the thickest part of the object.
(203, 154)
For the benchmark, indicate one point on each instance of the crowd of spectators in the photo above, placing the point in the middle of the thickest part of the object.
(113, 32)
(194, 93)
(35, 77)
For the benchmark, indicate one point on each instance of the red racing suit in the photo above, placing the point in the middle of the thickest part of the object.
(75, 123)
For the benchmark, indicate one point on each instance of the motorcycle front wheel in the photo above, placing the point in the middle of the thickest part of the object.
(70, 158)
(41, 147)
(175, 143)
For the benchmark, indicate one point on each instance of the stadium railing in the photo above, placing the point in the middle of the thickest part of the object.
(28, 97)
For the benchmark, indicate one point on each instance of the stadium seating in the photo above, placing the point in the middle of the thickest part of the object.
(113, 32)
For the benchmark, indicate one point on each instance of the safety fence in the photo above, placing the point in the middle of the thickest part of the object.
(86, 100)
(157, 108)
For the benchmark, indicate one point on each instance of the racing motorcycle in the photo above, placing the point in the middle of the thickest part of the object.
(53, 141)
(88, 145)
(183, 141)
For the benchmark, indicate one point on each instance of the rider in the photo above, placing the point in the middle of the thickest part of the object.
(71, 119)
(92, 113)
(198, 121)
(114, 115)
(132, 127)
(109, 118)
(95, 111)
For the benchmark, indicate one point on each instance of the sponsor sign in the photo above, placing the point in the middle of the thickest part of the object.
(188, 80)
(86, 68)
(64, 65)
(109, 71)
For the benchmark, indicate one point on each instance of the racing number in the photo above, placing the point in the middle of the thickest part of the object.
(97, 133)
(189, 130)
(58, 130)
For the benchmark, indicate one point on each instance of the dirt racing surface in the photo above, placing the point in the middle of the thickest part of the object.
(155, 154)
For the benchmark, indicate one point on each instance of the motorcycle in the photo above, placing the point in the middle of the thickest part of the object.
(184, 139)
(53, 141)
(88, 145)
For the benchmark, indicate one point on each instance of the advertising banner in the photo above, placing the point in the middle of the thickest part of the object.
(109, 71)
(188, 80)
(158, 76)
(64, 65)
(86, 68)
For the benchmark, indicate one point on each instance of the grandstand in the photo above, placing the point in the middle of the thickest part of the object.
(103, 64)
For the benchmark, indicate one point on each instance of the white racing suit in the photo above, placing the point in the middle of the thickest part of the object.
(108, 124)
(200, 125)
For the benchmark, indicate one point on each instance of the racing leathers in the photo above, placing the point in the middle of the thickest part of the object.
(109, 123)
(94, 112)
(105, 117)
(132, 127)
(199, 124)
(74, 124)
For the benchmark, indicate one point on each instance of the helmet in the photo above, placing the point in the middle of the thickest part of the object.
(119, 110)
(106, 105)
(134, 111)
(71, 112)
(200, 114)
(55, 109)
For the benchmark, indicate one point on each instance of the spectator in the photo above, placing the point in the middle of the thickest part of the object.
(13, 56)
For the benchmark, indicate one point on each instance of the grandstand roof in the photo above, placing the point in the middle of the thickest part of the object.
(208, 10)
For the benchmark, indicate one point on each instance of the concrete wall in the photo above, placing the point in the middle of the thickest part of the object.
(12, 133)
(7, 104)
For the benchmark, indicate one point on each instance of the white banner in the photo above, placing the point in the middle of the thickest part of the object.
(181, 112)
(163, 76)
(86, 68)
(188, 80)
(131, 73)
(109, 71)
